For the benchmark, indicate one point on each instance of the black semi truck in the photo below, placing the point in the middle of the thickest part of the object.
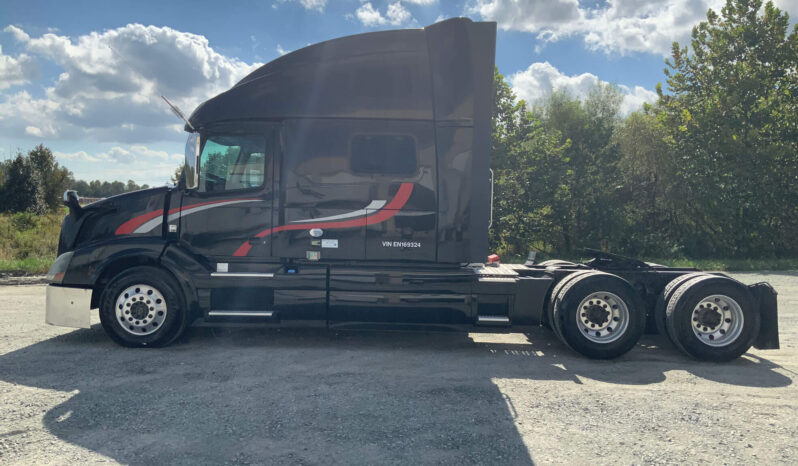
(348, 184)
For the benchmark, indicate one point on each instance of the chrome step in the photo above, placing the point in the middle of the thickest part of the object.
(240, 313)
(493, 320)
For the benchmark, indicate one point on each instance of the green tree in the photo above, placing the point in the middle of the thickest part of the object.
(19, 189)
(731, 109)
(585, 205)
(528, 164)
(648, 165)
(177, 175)
(49, 178)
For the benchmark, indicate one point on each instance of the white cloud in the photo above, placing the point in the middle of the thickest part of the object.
(395, 15)
(317, 5)
(369, 16)
(111, 83)
(635, 98)
(137, 162)
(539, 80)
(33, 131)
(639, 26)
(541, 16)
(80, 155)
(421, 2)
(620, 26)
(16, 71)
(281, 50)
(120, 155)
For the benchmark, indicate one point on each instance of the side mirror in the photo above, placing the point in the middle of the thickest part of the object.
(72, 200)
(191, 167)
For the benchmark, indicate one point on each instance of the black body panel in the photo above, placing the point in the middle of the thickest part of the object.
(431, 88)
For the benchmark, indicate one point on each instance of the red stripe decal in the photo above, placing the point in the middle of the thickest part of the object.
(135, 222)
(398, 201)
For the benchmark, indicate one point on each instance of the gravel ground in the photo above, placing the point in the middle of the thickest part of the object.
(254, 396)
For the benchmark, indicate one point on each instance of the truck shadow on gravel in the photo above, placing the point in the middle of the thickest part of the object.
(244, 396)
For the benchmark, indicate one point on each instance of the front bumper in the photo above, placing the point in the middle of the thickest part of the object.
(68, 307)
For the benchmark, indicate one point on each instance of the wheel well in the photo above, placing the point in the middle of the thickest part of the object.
(114, 269)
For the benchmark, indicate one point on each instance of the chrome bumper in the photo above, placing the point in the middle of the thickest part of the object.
(68, 307)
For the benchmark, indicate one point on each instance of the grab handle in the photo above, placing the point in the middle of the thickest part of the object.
(490, 224)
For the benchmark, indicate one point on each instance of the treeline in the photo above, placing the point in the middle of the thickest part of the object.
(710, 170)
(99, 188)
(35, 182)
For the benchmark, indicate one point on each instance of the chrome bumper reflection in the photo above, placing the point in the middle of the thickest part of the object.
(68, 307)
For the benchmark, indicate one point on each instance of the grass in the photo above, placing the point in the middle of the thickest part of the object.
(27, 266)
(732, 265)
(28, 242)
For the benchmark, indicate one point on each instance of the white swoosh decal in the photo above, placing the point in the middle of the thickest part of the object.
(146, 227)
(374, 205)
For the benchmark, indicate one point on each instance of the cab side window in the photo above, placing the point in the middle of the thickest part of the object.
(232, 162)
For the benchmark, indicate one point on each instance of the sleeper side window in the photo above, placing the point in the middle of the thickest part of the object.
(386, 154)
(232, 162)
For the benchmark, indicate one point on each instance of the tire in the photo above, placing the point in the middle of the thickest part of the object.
(712, 318)
(150, 302)
(599, 315)
(665, 296)
(553, 298)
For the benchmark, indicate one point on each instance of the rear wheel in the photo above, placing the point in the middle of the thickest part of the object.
(599, 315)
(712, 318)
(665, 296)
(556, 292)
(142, 306)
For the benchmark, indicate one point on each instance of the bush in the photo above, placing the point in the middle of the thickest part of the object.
(26, 235)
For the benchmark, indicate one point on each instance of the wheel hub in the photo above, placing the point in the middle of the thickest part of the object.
(709, 317)
(140, 309)
(602, 317)
(717, 320)
(597, 315)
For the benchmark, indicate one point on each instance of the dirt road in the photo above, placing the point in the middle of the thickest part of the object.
(250, 396)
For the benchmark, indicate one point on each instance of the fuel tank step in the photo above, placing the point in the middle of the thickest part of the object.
(493, 320)
(225, 313)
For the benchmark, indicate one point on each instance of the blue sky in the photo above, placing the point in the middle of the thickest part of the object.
(84, 77)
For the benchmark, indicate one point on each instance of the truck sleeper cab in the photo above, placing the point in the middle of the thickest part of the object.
(347, 184)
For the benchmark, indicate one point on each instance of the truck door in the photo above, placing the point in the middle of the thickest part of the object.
(233, 203)
(228, 221)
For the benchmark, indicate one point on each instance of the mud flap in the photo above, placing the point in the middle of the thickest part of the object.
(765, 296)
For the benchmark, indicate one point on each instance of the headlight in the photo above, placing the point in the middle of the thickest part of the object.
(59, 267)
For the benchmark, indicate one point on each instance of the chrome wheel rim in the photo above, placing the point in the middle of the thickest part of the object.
(602, 317)
(140, 309)
(717, 320)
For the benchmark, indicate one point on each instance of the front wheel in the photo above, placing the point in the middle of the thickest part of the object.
(142, 307)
